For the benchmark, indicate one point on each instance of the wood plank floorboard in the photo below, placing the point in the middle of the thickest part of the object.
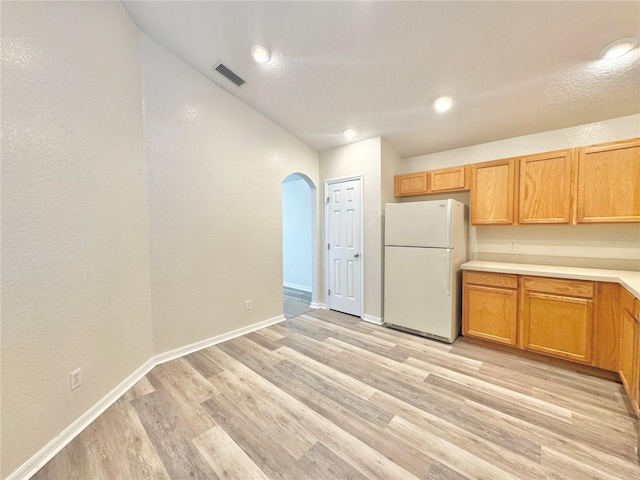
(295, 302)
(170, 439)
(325, 396)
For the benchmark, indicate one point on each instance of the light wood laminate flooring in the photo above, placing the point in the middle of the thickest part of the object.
(295, 302)
(326, 396)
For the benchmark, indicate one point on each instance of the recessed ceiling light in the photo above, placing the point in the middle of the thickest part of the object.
(350, 132)
(260, 54)
(443, 104)
(618, 48)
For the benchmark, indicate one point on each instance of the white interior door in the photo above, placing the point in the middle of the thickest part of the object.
(343, 224)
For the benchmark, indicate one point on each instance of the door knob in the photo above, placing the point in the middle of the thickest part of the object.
(356, 255)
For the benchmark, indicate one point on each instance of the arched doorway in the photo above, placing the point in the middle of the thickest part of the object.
(299, 244)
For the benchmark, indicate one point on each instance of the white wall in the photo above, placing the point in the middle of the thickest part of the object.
(296, 233)
(215, 169)
(603, 245)
(75, 258)
(599, 132)
(79, 233)
(363, 158)
(390, 164)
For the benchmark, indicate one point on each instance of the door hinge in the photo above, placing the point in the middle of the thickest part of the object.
(328, 246)
(328, 199)
(329, 292)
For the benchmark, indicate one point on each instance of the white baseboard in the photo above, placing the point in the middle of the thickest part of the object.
(194, 347)
(318, 305)
(37, 461)
(372, 319)
(304, 288)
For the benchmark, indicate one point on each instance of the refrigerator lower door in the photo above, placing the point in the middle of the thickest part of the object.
(418, 291)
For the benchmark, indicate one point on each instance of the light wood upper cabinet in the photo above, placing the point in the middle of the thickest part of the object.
(557, 317)
(492, 192)
(453, 179)
(595, 184)
(449, 179)
(490, 306)
(410, 184)
(608, 183)
(544, 193)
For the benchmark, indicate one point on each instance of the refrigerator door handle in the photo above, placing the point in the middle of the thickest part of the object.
(447, 270)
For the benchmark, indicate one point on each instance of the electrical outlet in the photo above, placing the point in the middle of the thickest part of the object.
(248, 305)
(513, 245)
(75, 378)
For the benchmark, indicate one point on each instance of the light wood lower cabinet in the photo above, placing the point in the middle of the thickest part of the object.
(629, 345)
(605, 350)
(594, 323)
(490, 306)
(556, 317)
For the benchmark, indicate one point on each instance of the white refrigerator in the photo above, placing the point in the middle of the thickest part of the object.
(425, 244)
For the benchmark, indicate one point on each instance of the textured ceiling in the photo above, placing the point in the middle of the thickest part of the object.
(514, 68)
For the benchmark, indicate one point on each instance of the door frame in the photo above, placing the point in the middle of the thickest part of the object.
(325, 227)
(313, 199)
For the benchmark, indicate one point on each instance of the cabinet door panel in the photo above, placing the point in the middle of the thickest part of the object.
(635, 392)
(608, 183)
(490, 313)
(410, 184)
(606, 328)
(629, 368)
(557, 325)
(545, 188)
(492, 189)
(448, 179)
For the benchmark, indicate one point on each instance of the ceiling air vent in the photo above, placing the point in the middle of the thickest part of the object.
(222, 69)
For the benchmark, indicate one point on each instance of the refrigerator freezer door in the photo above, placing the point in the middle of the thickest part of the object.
(419, 224)
(418, 283)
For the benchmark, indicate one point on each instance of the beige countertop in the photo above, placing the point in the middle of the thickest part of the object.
(628, 279)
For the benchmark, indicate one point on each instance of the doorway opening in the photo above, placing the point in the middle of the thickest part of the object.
(299, 245)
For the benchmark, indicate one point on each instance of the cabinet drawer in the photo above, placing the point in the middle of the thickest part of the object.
(491, 279)
(577, 288)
